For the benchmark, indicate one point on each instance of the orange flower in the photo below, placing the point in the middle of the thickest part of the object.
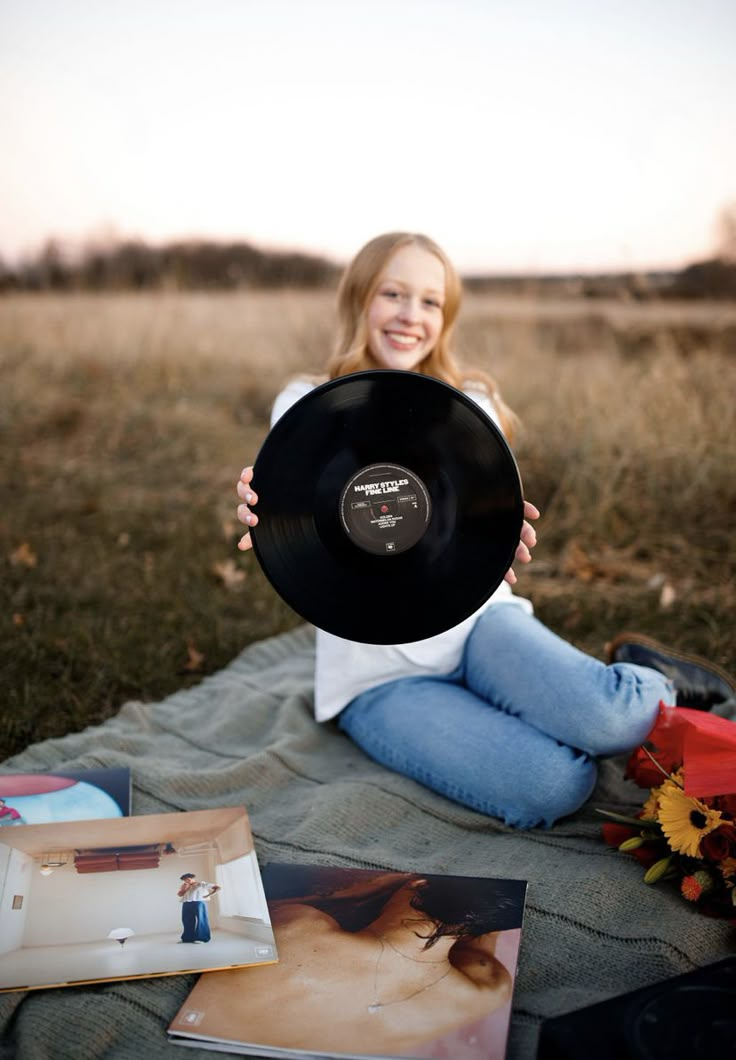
(651, 806)
(690, 888)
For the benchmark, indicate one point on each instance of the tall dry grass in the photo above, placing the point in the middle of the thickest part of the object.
(126, 419)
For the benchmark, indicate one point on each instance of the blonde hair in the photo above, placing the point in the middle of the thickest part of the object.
(356, 290)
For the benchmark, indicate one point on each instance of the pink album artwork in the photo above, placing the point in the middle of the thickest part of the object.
(371, 964)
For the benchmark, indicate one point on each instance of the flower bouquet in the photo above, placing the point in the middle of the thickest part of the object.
(686, 830)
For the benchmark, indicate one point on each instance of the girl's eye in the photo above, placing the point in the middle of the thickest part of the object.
(390, 294)
(433, 303)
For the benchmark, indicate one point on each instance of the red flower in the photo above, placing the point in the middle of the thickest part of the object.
(614, 834)
(648, 853)
(726, 804)
(720, 843)
(641, 769)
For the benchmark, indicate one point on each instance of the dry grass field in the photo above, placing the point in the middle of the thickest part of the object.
(125, 420)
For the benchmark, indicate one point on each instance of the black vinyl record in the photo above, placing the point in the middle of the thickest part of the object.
(390, 507)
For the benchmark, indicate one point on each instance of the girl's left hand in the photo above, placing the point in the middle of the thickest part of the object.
(527, 542)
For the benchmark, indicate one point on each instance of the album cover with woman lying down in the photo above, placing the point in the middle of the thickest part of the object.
(371, 964)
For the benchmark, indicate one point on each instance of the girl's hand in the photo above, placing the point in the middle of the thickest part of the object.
(249, 497)
(527, 542)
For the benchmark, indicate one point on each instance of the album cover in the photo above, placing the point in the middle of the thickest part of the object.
(64, 795)
(130, 897)
(371, 964)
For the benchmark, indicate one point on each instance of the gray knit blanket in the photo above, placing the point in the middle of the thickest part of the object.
(246, 736)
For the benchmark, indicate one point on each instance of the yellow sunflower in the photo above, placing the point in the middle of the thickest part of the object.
(685, 820)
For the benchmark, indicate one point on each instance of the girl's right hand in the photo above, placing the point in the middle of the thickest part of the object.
(249, 497)
(527, 541)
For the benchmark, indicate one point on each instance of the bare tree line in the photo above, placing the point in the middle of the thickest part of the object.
(185, 265)
(199, 264)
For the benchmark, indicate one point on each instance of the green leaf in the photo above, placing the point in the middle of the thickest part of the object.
(635, 822)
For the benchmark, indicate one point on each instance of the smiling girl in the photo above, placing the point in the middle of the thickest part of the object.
(497, 713)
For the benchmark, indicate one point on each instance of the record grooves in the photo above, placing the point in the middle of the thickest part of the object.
(390, 507)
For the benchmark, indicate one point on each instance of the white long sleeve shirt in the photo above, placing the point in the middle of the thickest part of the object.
(198, 893)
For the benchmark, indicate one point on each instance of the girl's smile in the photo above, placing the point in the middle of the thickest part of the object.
(405, 315)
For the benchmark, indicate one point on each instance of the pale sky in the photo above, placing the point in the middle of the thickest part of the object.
(528, 135)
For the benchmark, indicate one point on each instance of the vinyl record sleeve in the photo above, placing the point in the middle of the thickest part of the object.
(318, 1001)
(390, 507)
(95, 901)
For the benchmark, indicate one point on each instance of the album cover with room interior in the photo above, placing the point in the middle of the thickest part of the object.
(129, 897)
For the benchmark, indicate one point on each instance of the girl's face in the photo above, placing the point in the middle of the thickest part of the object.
(405, 315)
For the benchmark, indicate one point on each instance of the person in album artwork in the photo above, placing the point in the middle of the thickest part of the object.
(193, 895)
(498, 712)
(9, 814)
(378, 967)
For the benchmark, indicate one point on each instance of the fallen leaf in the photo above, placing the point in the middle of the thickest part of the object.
(194, 659)
(590, 562)
(230, 574)
(23, 556)
(577, 563)
(18, 619)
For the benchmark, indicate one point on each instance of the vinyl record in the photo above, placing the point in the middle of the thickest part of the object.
(390, 507)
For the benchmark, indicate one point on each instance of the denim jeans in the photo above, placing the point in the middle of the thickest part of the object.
(516, 730)
(195, 922)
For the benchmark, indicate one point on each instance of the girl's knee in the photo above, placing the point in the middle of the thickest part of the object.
(547, 799)
(627, 710)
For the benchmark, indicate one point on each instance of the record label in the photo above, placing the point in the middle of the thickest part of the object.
(385, 509)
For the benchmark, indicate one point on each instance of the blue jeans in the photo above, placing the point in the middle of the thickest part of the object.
(515, 731)
(195, 922)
